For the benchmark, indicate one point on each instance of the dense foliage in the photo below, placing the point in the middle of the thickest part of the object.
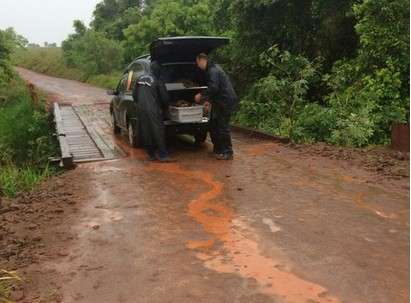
(9, 42)
(312, 28)
(314, 70)
(91, 51)
(371, 91)
(168, 18)
(357, 100)
(25, 138)
(277, 100)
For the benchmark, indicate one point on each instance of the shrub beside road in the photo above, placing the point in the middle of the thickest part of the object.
(25, 133)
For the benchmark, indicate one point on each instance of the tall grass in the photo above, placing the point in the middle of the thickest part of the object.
(25, 140)
(47, 60)
(24, 127)
(50, 61)
(15, 179)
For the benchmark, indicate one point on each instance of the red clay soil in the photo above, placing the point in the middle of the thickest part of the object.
(380, 160)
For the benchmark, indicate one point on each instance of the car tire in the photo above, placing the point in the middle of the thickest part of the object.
(133, 138)
(116, 129)
(200, 137)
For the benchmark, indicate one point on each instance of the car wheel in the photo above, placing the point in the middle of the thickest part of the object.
(132, 135)
(200, 137)
(116, 129)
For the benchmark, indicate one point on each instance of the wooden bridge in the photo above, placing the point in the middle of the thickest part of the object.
(84, 133)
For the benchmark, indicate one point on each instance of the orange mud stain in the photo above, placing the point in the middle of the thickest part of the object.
(239, 254)
(200, 244)
(243, 256)
(359, 201)
(260, 149)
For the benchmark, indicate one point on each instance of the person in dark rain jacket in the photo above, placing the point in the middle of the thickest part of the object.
(224, 101)
(151, 99)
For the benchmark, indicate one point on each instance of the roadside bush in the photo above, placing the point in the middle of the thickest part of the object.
(365, 108)
(24, 128)
(275, 101)
(314, 123)
(25, 140)
(371, 91)
(6, 47)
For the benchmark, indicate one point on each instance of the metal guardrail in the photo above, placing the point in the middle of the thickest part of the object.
(66, 155)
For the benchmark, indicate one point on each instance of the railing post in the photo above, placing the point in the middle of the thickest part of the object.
(66, 155)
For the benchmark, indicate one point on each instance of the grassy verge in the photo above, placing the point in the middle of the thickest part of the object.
(14, 179)
(50, 61)
(26, 140)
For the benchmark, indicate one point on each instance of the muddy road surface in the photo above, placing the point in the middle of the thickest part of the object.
(274, 225)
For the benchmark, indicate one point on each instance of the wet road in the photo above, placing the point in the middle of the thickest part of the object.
(270, 226)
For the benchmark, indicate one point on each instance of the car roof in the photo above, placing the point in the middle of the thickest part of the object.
(145, 59)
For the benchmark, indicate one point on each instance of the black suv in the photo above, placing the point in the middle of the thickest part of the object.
(183, 79)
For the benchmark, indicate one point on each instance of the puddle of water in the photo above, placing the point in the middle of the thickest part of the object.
(239, 254)
(107, 215)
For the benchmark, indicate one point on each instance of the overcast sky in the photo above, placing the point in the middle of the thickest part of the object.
(44, 20)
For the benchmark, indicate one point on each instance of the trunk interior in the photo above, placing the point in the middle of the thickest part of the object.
(183, 81)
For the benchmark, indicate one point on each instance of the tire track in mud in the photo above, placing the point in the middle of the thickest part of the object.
(239, 254)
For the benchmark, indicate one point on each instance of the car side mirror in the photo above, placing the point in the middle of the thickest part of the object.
(112, 92)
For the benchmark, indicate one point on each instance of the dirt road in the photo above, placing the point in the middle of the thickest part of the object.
(274, 225)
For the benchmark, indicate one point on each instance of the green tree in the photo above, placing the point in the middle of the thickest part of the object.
(92, 51)
(112, 17)
(9, 41)
(275, 101)
(168, 18)
(79, 27)
(312, 28)
(372, 90)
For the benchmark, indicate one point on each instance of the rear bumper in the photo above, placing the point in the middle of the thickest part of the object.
(173, 128)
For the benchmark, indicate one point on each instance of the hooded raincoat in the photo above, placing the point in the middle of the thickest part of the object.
(151, 99)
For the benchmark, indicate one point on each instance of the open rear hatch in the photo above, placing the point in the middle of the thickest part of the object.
(183, 49)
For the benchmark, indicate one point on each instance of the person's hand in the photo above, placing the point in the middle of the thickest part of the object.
(207, 107)
(197, 98)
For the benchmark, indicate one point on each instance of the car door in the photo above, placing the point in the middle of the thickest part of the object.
(118, 99)
(127, 105)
